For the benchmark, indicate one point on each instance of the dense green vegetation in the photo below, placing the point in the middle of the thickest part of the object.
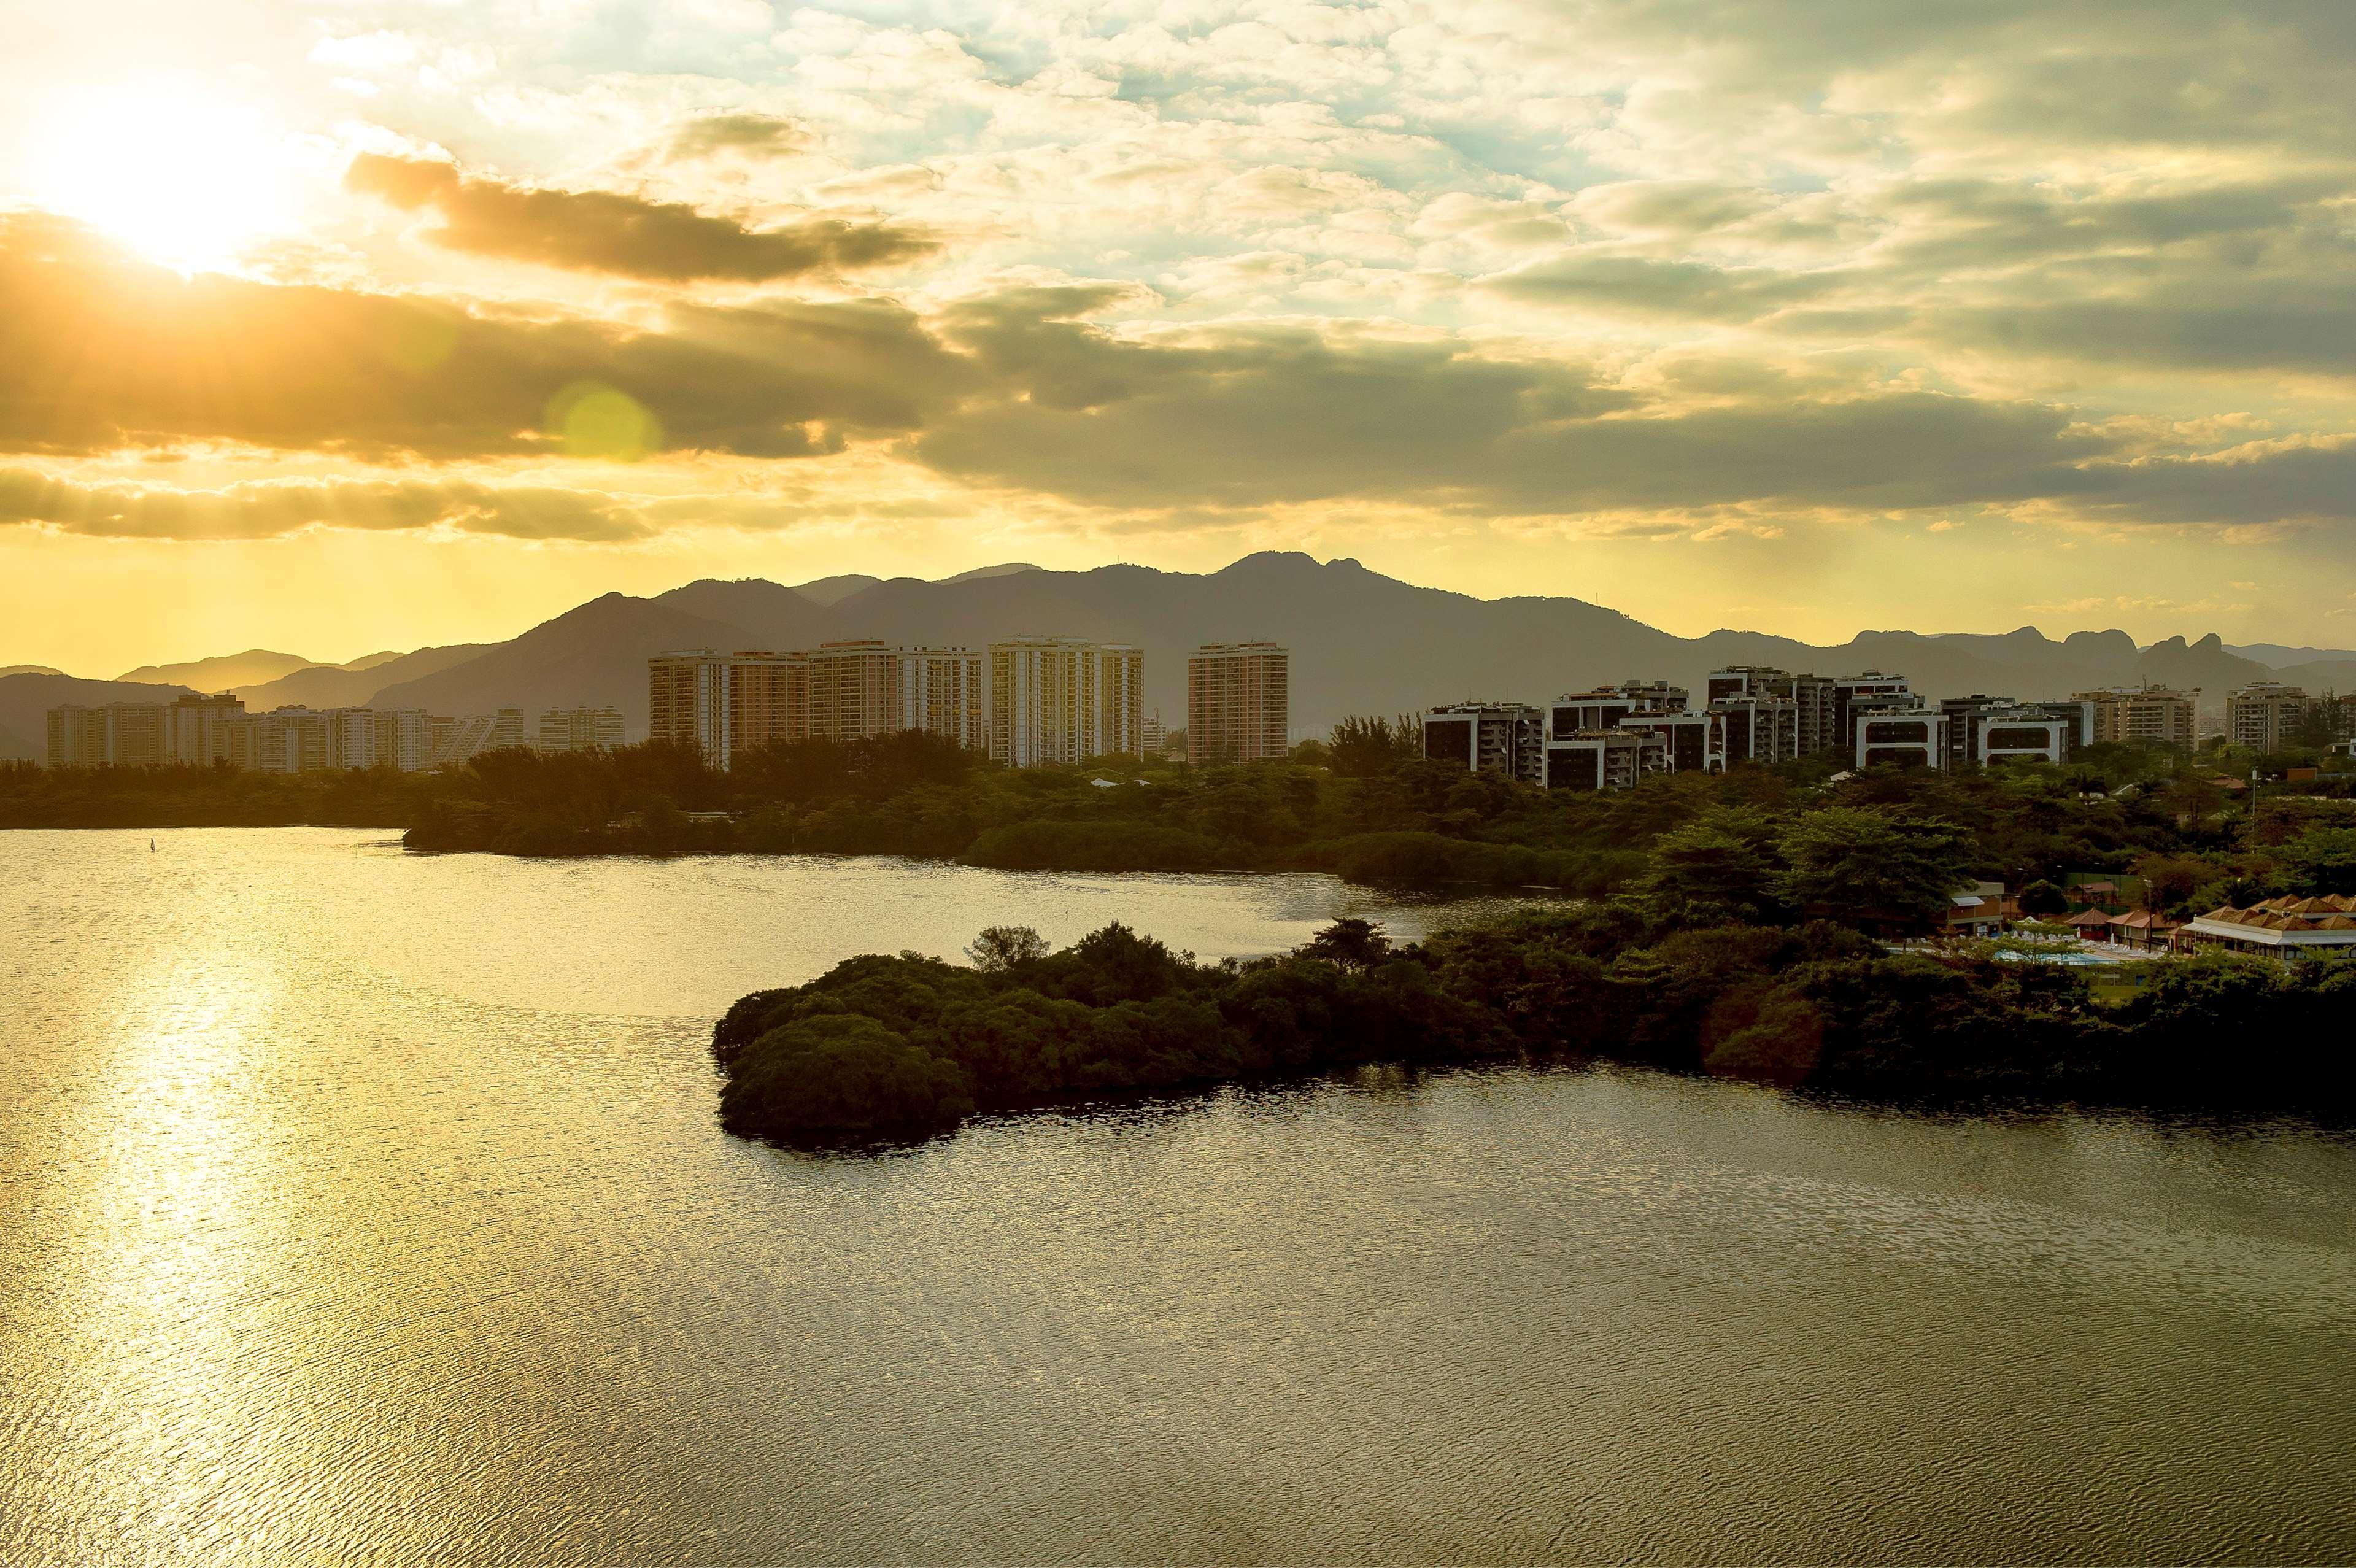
(32, 797)
(1361, 805)
(887, 1047)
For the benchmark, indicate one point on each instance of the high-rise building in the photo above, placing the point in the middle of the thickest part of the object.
(201, 726)
(1060, 699)
(768, 699)
(1238, 702)
(941, 692)
(2152, 714)
(80, 736)
(2264, 715)
(1489, 737)
(688, 693)
(287, 740)
(1156, 734)
(855, 690)
(204, 731)
(726, 703)
(580, 729)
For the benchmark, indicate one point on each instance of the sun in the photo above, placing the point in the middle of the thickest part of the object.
(185, 177)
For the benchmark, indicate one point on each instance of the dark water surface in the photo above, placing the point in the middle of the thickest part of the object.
(357, 1208)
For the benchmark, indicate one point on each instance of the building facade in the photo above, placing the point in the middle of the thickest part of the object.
(1915, 737)
(216, 731)
(2265, 715)
(2144, 714)
(942, 693)
(1238, 702)
(1062, 699)
(768, 699)
(580, 729)
(1603, 759)
(688, 692)
(1507, 738)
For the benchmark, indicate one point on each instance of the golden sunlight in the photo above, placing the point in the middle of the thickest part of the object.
(187, 178)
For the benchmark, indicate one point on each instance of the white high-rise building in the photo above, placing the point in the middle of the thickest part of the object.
(580, 729)
(1062, 699)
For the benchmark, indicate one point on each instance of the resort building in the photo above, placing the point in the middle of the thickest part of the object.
(2143, 714)
(2265, 715)
(1062, 699)
(1238, 702)
(2282, 928)
(1509, 738)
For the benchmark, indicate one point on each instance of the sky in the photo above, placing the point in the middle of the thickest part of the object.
(349, 326)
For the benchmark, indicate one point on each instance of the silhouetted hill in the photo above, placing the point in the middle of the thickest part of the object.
(223, 672)
(827, 590)
(2275, 655)
(6, 669)
(1362, 642)
(594, 655)
(26, 702)
(356, 684)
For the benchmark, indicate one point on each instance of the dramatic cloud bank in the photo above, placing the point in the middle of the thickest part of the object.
(1620, 269)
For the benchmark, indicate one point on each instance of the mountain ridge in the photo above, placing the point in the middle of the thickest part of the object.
(1348, 627)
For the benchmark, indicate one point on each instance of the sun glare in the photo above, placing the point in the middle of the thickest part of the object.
(186, 179)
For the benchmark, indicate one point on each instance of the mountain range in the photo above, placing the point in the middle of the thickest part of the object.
(1361, 642)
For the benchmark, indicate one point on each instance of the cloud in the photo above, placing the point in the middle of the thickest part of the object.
(271, 509)
(1019, 389)
(625, 236)
(1640, 286)
(2298, 481)
(99, 352)
(762, 135)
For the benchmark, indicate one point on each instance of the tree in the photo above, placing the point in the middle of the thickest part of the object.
(1003, 947)
(2041, 898)
(1875, 868)
(1719, 867)
(1350, 943)
(1363, 748)
(2322, 860)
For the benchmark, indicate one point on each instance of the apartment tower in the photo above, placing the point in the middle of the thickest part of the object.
(1238, 702)
(1060, 699)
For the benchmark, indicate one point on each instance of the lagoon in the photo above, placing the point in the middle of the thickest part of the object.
(366, 1207)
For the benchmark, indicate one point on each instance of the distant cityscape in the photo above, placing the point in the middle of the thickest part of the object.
(1059, 701)
(1610, 738)
(205, 731)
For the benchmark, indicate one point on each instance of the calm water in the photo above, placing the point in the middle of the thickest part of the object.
(357, 1208)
